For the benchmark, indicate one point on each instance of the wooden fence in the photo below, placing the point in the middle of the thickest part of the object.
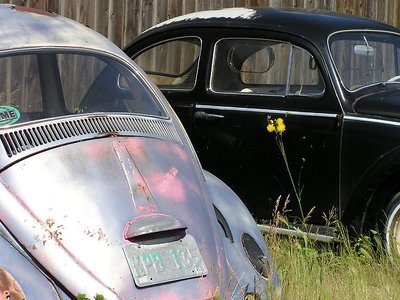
(122, 20)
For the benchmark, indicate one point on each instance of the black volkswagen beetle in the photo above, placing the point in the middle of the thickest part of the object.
(333, 79)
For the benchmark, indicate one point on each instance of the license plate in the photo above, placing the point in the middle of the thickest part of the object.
(155, 264)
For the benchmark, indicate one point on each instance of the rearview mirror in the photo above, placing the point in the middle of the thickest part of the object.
(364, 50)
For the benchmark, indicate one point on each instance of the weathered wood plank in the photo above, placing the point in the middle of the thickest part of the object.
(122, 20)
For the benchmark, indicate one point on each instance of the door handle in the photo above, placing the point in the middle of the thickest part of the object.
(206, 116)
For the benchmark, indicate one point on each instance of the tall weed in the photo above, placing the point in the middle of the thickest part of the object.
(345, 269)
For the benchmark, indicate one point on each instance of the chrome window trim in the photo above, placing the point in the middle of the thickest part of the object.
(289, 75)
(170, 40)
(267, 111)
(289, 69)
(371, 120)
(338, 78)
(210, 80)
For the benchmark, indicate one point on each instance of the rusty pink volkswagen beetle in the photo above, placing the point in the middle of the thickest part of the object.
(100, 189)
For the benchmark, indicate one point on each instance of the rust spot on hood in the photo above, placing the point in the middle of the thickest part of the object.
(52, 232)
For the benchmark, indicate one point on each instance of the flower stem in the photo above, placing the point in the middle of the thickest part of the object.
(279, 140)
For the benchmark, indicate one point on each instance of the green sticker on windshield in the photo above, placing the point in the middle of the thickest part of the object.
(8, 115)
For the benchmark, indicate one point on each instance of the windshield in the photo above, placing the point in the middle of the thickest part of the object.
(366, 58)
(48, 84)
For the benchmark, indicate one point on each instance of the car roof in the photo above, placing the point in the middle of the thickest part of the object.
(22, 27)
(314, 25)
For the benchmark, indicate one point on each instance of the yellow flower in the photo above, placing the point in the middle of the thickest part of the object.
(271, 126)
(276, 125)
(280, 127)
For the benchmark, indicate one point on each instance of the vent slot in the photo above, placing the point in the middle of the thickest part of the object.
(18, 141)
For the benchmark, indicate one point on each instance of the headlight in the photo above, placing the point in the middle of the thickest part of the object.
(255, 255)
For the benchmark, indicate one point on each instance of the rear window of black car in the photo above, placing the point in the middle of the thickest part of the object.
(172, 64)
(267, 67)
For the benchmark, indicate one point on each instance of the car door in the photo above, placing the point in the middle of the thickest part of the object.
(250, 81)
(224, 87)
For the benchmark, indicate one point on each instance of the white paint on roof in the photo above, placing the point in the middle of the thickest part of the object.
(230, 13)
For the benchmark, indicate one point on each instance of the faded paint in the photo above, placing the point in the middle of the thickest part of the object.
(229, 13)
(94, 151)
(168, 185)
(175, 149)
(137, 148)
(140, 193)
(146, 209)
(98, 211)
(24, 29)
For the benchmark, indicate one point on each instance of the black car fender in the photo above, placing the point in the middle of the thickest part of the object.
(373, 192)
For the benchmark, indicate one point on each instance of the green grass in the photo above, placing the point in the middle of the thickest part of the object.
(347, 269)
(359, 269)
(84, 297)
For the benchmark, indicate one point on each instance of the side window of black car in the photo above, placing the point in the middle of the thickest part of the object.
(172, 64)
(266, 67)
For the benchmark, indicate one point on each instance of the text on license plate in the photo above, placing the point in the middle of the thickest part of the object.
(155, 264)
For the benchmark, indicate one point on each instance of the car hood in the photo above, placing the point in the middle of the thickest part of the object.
(385, 103)
(75, 208)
